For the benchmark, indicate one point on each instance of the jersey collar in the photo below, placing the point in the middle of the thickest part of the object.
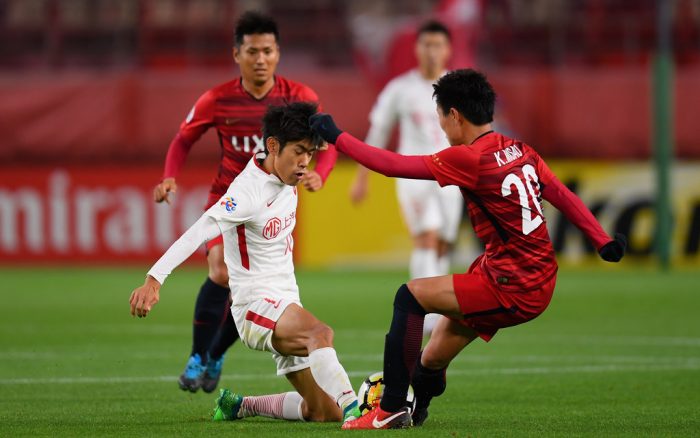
(482, 135)
(270, 176)
(274, 84)
(259, 166)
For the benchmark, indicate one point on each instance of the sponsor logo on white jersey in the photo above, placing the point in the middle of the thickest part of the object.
(272, 228)
(229, 204)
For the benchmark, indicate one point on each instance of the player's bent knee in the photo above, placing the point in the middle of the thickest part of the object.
(406, 301)
(321, 336)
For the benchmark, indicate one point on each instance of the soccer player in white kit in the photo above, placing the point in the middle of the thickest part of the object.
(256, 217)
(431, 213)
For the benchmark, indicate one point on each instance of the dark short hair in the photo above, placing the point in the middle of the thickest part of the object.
(253, 22)
(434, 26)
(469, 92)
(289, 123)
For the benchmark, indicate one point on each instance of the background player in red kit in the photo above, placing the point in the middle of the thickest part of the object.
(235, 109)
(503, 181)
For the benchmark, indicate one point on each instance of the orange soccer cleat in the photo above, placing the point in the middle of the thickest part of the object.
(379, 419)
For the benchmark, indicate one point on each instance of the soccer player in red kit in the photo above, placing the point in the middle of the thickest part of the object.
(235, 109)
(503, 182)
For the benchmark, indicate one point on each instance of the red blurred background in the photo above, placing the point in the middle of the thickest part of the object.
(104, 84)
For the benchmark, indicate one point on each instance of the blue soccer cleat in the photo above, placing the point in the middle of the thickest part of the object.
(212, 374)
(191, 379)
(228, 406)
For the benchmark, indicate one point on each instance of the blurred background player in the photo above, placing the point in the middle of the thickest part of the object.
(256, 218)
(503, 181)
(235, 110)
(431, 213)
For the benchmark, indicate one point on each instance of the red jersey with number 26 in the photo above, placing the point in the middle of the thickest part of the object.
(501, 180)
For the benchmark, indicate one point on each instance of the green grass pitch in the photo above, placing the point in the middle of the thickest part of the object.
(616, 354)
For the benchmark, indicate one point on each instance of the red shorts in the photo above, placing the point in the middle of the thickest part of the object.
(487, 309)
(218, 240)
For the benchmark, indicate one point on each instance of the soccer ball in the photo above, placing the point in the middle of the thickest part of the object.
(371, 390)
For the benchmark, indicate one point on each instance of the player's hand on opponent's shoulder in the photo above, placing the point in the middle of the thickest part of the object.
(163, 190)
(143, 298)
(614, 250)
(324, 125)
(312, 181)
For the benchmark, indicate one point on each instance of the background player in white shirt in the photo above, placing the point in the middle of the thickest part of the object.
(432, 213)
(256, 217)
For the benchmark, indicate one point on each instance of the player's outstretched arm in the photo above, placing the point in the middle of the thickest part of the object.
(145, 297)
(197, 122)
(610, 250)
(379, 160)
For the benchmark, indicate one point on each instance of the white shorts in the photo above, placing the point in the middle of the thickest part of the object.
(427, 206)
(256, 321)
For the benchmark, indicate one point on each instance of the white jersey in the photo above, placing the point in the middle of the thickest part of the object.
(256, 217)
(407, 99)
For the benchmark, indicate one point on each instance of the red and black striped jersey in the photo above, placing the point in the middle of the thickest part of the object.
(502, 181)
(237, 117)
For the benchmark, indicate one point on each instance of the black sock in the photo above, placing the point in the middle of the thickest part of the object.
(427, 383)
(209, 311)
(227, 335)
(401, 349)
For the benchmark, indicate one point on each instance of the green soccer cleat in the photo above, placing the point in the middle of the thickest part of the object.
(351, 412)
(227, 406)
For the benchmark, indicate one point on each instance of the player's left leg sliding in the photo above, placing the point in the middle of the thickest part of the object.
(285, 406)
(328, 374)
(401, 350)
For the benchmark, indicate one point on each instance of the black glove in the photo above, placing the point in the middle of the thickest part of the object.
(615, 249)
(324, 126)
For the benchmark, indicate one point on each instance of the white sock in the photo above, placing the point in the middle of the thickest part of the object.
(429, 323)
(330, 375)
(424, 263)
(291, 406)
(285, 406)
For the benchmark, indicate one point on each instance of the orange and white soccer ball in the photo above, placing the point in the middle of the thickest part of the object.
(371, 390)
